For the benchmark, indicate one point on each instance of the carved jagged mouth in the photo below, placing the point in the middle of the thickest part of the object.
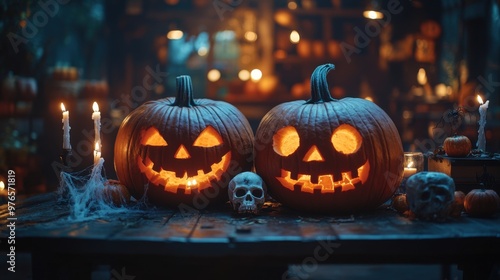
(172, 183)
(326, 183)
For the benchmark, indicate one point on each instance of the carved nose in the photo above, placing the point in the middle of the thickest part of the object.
(313, 155)
(182, 153)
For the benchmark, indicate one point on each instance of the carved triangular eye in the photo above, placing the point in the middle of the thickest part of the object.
(152, 137)
(209, 137)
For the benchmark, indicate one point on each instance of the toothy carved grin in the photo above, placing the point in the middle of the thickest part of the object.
(172, 183)
(326, 183)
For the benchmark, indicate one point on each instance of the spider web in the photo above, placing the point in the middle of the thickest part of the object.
(86, 195)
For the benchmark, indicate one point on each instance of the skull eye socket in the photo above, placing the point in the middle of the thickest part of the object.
(240, 192)
(209, 137)
(286, 141)
(426, 195)
(346, 139)
(257, 193)
(152, 137)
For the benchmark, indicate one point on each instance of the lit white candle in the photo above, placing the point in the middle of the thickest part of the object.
(481, 139)
(97, 153)
(66, 128)
(96, 116)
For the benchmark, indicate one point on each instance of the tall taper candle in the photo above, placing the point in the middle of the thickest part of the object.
(96, 116)
(66, 128)
(481, 139)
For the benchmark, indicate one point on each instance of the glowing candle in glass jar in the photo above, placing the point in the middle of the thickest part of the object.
(66, 128)
(96, 116)
(409, 170)
(481, 139)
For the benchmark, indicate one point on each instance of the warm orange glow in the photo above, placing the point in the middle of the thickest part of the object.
(410, 164)
(172, 183)
(96, 146)
(202, 51)
(175, 34)
(313, 155)
(294, 37)
(373, 15)
(369, 98)
(250, 36)
(244, 75)
(63, 108)
(286, 141)
(182, 153)
(152, 137)
(480, 100)
(213, 75)
(2, 185)
(326, 183)
(421, 77)
(209, 137)
(95, 107)
(346, 139)
(256, 75)
(292, 5)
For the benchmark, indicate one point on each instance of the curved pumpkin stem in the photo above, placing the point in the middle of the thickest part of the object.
(319, 85)
(184, 96)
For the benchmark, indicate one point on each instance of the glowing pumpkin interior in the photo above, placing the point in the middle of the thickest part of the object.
(345, 139)
(186, 183)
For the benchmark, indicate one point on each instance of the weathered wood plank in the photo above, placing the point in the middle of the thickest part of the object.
(150, 227)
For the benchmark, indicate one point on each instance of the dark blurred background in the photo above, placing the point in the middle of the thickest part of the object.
(423, 61)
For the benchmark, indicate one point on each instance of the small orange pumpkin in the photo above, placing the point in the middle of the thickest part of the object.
(458, 204)
(399, 203)
(457, 146)
(481, 202)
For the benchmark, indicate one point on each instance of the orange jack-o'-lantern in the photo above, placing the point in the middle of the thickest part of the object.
(329, 155)
(182, 147)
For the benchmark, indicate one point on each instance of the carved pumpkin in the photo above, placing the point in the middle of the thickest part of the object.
(179, 148)
(457, 146)
(329, 155)
(481, 202)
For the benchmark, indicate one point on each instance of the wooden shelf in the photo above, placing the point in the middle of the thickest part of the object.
(327, 12)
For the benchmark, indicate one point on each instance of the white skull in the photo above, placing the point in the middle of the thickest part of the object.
(247, 192)
(430, 194)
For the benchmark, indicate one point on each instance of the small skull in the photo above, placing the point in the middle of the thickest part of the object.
(247, 192)
(430, 194)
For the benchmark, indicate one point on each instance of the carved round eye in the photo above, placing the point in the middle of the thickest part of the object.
(346, 139)
(286, 141)
(151, 137)
(209, 137)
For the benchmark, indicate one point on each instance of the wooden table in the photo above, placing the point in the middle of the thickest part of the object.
(218, 242)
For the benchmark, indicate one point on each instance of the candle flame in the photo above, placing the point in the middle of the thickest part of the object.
(95, 107)
(410, 164)
(2, 185)
(480, 100)
(62, 107)
(96, 147)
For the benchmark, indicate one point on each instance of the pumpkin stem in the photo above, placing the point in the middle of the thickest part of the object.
(319, 85)
(184, 96)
